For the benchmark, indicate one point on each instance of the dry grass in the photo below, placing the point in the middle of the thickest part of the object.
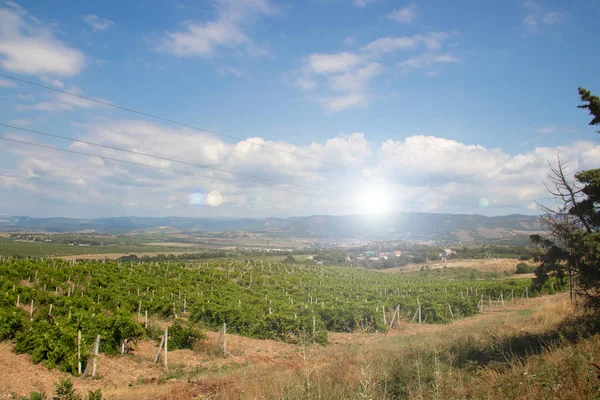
(514, 352)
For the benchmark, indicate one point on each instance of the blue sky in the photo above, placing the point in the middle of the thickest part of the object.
(435, 105)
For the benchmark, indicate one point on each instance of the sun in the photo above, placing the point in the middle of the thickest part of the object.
(374, 201)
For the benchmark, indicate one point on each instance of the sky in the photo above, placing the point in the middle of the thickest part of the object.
(319, 106)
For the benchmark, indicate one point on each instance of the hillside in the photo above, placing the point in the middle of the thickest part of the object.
(461, 227)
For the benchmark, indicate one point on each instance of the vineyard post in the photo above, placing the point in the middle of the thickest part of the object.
(384, 319)
(419, 304)
(146, 320)
(490, 300)
(140, 308)
(79, 352)
(31, 311)
(18, 299)
(502, 299)
(166, 340)
(50, 310)
(157, 356)
(225, 339)
(450, 308)
(481, 304)
(527, 292)
(96, 347)
(314, 325)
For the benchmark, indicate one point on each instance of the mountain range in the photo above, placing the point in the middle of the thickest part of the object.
(399, 225)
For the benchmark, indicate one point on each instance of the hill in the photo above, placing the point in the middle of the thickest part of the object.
(418, 226)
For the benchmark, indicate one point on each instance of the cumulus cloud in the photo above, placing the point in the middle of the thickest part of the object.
(421, 173)
(227, 31)
(97, 23)
(29, 47)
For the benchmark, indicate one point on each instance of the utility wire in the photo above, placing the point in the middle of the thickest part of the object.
(145, 114)
(165, 158)
(152, 166)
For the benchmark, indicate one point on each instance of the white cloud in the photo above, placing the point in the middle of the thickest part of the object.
(342, 80)
(427, 60)
(97, 23)
(547, 129)
(404, 15)
(433, 41)
(332, 63)
(7, 84)
(536, 17)
(349, 41)
(60, 102)
(305, 83)
(227, 31)
(27, 46)
(53, 82)
(344, 101)
(363, 3)
(421, 173)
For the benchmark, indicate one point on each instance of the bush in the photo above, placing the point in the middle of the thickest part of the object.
(11, 322)
(523, 268)
(184, 336)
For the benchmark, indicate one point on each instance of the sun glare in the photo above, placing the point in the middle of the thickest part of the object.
(374, 201)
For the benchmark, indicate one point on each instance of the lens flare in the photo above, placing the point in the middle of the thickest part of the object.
(214, 199)
(484, 203)
(197, 199)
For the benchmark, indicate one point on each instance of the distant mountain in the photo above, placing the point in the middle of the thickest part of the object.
(463, 227)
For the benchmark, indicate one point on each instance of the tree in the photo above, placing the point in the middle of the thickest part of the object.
(574, 224)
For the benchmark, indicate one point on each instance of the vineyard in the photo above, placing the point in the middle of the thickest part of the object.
(44, 303)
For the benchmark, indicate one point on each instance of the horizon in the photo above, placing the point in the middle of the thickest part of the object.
(337, 107)
(373, 216)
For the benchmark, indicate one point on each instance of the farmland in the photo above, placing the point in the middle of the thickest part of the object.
(257, 299)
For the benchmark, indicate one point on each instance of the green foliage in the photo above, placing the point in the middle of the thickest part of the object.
(64, 391)
(593, 105)
(524, 268)
(97, 395)
(184, 335)
(259, 298)
(11, 322)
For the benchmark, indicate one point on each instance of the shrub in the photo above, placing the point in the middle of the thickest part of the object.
(184, 336)
(11, 322)
(523, 268)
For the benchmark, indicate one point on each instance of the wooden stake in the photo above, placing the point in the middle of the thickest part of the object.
(450, 308)
(166, 341)
(79, 352)
(31, 311)
(157, 356)
(96, 347)
(146, 320)
(18, 300)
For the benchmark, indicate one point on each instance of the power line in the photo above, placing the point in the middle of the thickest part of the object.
(145, 114)
(153, 166)
(165, 158)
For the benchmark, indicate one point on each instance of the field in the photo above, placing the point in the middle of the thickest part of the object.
(294, 306)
